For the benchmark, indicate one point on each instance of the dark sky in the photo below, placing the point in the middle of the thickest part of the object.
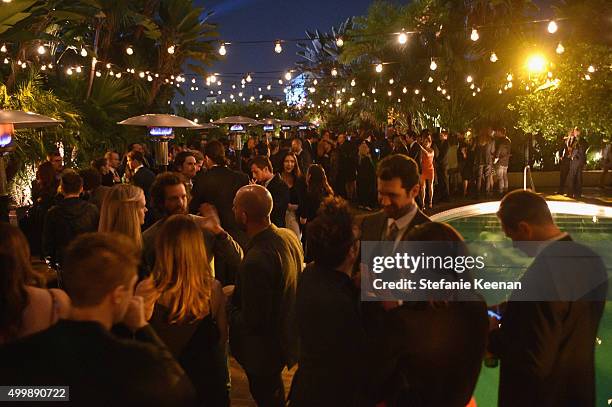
(249, 20)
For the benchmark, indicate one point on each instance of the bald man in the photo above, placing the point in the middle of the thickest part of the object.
(262, 327)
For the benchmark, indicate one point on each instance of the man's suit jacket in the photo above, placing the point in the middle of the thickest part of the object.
(218, 187)
(414, 152)
(546, 348)
(374, 226)
(304, 161)
(263, 331)
(280, 197)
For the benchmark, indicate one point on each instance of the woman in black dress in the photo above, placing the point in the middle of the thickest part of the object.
(186, 306)
(292, 176)
(317, 189)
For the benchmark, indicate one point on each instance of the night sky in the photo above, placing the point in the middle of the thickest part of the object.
(248, 20)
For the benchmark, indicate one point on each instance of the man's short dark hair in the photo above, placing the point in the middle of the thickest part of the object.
(71, 182)
(330, 235)
(261, 161)
(399, 166)
(136, 156)
(524, 206)
(98, 163)
(158, 188)
(53, 153)
(215, 152)
(180, 158)
(92, 179)
(412, 134)
(97, 263)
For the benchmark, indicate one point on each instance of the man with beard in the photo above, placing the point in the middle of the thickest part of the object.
(170, 198)
(263, 334)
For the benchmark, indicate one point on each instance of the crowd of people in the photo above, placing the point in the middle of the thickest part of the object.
(256, 254)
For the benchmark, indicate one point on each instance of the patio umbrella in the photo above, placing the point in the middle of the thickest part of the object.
(236, 120)
(159, 120)
(269, 122)
(22, 120)
(206, 126)
(291, 123)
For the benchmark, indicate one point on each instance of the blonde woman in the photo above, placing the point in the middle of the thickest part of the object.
(123, 211)
(186, 306)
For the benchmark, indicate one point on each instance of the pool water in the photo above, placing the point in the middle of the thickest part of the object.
(582, 228)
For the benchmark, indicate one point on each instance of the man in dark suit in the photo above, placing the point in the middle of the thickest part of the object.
(414, 148)
(303, 156)
(263, 331)
(218, 187)
(82, 353)
(398, 186)
(264, 175)
(549, 326)
(143, 177)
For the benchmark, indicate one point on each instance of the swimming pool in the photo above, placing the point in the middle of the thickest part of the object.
(590, 224)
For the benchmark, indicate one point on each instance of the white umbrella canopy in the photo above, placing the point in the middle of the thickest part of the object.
(206, 126)
(159, 120)
(291, 123)
(236, 120)
(269, 122)
(22, 120)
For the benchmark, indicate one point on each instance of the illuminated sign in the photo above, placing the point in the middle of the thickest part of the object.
(303, 128)
(237, 127)
(268, 127)
(285, 128)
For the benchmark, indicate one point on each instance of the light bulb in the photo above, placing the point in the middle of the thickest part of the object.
(288, 76)
(3, 48)
(280, 81)
(389, 93)
(339, 42)
(402, 38)
(141, 74)
(171, 49)
(433, 66)
(269, 87)
(379, 68)
(591, 69)
(98, 74)
(391, 81)
(560, 49)
(42, 50)
(334, 72)
(69, 71)
(24, 65)
(315, 82)
(430, 80)
(6, 60)
(278, 48)
(416, 91)
(129, 50)
(587, 77)
(404, 90)
(78, 69)
(222, 50)
(552, 27)
(149, 78)
(249, 79)
(353, 82)
(83, 52)
(373, 90)
(118, 75)
(43, 68)
(469, 79)
(474, 35)
(472, 86)
(509, 77)
(493, 57)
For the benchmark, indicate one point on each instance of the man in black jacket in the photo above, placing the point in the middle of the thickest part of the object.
(99, 368)
(398, 186)
(414, 148)
(143, 177)
(218, 187)
(549, 326)
(264, 175)
(71, 217)
(263, 335)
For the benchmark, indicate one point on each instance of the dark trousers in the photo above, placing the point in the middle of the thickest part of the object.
(4, 208)
(267, 390)
(564, 167)
(442, 192)
(575, 178)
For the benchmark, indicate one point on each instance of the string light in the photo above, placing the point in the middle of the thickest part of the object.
(404, 90)
(339, 42)
(69, 71)
(24, 65)
(591, 69)
(430, 80)
(389, 93)
(416, 91)
(353, 82)
(278, 47)
(3, 48)
(42, 50)
(493, 57)
(560, 49)
(402, 38)
(83, 52)
(249, 78)
(78, 69)
(6, 60)
(552, 27)
(170, 49)
(288, 76)
(474, 35)
(433, 66)
(469, 79)
(129, 50)
(222, 50)
(391, 81)
(379, 68)
(373, 90)
(334, 73)
(509, 77)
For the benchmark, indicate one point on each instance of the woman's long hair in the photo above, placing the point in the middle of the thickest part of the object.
(120, 212)
(317, 182)
(296, 173)
(182, 272)
(15, 273)
(45, 177)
